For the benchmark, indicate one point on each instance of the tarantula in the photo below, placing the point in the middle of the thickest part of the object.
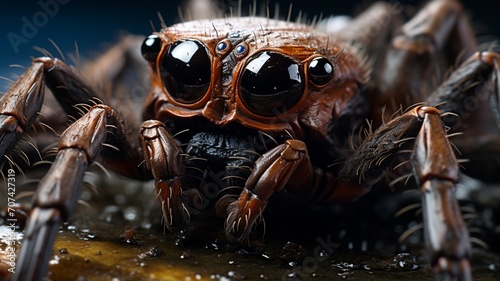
(267, 104)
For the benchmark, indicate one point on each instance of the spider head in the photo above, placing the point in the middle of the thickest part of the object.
(273, 79)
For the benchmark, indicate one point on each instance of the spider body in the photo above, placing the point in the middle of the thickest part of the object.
(266, 105)
(256, 92)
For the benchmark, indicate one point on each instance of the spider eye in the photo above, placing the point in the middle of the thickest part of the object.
(320, 71)
(271, 84)
(151, 47)
(186, 71)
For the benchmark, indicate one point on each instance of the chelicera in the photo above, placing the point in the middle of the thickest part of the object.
(268, 105)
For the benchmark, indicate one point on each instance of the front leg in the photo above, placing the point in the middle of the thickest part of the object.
(437, 172)
(58, 191)
(434, 164)
(19, 107)
(162, 156)
(286, 163)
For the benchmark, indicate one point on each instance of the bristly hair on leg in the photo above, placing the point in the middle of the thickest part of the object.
(63, 58)
(75, 57)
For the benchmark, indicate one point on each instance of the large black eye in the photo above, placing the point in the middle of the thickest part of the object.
(320, 71)
(185, 70)
(151, 47)
(271, 84)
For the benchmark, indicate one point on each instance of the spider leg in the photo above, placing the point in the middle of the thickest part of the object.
(78, 146)
(286, 163)
(471, 94)
(162, 156)
(58, 191)
(69, 89)
(119, 76)
(434, 164)
(477, 80)
(371, 31)
(19, 107)
(438, 37)
(436, 170)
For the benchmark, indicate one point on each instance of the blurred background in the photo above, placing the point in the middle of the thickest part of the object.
(96, 24)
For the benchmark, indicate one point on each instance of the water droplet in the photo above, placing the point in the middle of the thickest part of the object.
(112, 214)
(405, 261)
(236, 275)
(292, 275)
(266, 256)
(120, 199)
(155, 251)
(131, 213)
(146, 225)
(345, 266)
(292, 253)
(215, 245)
(86, 235)
(214, 276)
(316, 275)
(321, 254)
(54, 261)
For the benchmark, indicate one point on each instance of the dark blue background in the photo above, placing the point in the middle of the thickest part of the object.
(92, 24)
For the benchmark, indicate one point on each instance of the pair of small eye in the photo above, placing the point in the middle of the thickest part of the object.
(270, 84)
(224, 47)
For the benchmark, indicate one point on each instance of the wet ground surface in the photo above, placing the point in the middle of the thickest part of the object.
(119, 237)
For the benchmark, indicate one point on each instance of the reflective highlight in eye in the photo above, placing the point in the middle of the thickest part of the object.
(221, 46)
(186, 71)
(151, 47)
(271, 84)
(241, 50)
(320, 71)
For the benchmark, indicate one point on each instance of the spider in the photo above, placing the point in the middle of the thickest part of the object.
(259, 105)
